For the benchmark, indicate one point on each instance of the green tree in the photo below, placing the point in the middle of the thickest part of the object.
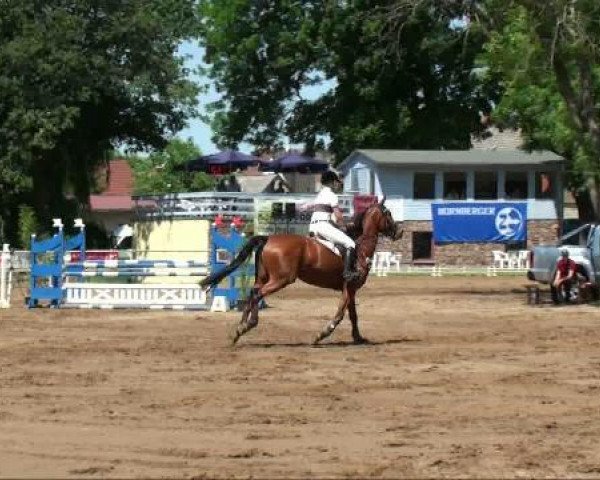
(547, 56)
(420, 93)
(543, 56)
(78, 79)
(27, 226)
(157, 174)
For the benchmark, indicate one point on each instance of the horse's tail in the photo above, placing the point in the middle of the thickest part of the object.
(255, 243)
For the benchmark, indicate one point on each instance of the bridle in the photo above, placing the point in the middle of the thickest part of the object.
(390, 230)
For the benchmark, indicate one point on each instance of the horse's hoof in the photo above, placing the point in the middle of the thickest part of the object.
(360, 340)
(317, 340)
(234, 336)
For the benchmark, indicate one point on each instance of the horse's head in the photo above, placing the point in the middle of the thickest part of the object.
(378, 219)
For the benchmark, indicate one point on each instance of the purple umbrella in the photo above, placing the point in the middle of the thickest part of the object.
(296, 162)
(220, 162)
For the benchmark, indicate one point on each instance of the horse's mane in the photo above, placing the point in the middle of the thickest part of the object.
(355, 227)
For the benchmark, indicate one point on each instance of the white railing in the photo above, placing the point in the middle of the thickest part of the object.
(443, 270)
(20, 260)
(210, 204)
(5, 277)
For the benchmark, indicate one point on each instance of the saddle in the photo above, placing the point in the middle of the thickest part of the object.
(336, 248)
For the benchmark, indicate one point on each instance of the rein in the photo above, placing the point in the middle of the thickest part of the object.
(366, 245)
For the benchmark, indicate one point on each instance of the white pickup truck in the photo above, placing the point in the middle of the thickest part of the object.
(583, 245)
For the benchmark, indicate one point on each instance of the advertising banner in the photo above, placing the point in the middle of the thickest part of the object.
(479, 222)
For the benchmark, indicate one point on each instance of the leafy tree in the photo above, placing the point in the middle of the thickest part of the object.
(27, 225)
(547, 55)
(420, 93)
(157, 174)
(544, 57)
(79, 78)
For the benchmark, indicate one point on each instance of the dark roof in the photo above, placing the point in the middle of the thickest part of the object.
(455, 157)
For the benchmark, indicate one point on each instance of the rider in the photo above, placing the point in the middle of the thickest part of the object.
(327, 218)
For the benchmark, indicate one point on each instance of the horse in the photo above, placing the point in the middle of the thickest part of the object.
(283, 258)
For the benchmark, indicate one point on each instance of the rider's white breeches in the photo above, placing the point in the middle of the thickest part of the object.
(329, 232)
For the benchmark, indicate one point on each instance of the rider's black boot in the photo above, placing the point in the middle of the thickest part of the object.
(350, 273)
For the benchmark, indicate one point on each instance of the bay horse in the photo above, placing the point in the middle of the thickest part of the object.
(283, 258)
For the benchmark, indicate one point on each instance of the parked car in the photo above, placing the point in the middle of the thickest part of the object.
(583, 245)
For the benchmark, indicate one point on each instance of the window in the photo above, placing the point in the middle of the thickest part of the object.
(421, 245)
(516, 185)
(486, 186)
(544, 185)
(424, 186)
(455, 186)
(362, 180)
(354, 180)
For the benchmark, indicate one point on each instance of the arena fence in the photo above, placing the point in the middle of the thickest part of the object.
(6, 273)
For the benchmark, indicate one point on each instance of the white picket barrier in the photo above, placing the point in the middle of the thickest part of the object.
(145, 296)
(5, 277)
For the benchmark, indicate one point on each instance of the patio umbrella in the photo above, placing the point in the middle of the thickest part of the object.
(220, 162)
(296, 162)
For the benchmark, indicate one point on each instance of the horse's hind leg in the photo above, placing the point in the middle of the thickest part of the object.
(250, 315)
(241, 326)
(251, 306)
(339, 316)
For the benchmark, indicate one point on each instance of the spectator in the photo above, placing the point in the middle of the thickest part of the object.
(566, 273)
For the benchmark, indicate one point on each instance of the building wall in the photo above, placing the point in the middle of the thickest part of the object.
(302, 182)
(396, 183)
(477, 254)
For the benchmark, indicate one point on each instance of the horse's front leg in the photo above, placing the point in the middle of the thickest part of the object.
(339, 316)
(356, 336)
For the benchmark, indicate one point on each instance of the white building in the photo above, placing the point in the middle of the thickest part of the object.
(412, 180)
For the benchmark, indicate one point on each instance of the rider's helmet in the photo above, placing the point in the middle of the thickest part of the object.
(564, 253)
(329, 178)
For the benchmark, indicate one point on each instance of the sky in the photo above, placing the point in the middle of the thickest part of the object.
(199, 131)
